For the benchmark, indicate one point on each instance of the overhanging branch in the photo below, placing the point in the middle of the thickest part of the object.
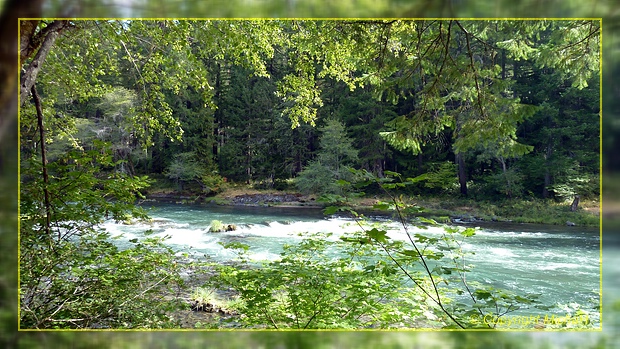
(29, 77)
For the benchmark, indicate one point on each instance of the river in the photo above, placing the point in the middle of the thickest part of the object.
(560, 263)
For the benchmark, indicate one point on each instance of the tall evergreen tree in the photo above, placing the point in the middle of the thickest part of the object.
(332, 163)
(564, 132)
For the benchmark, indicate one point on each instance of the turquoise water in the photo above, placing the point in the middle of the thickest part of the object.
(562, 264)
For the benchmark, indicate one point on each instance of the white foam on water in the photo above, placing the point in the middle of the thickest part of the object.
(294, 229)
(515, 234)
(263, 256)
(396, 231)
(549, 255)
(195, 238)
(560, 266)
(158, 223)
(117, 229)
(502, 252)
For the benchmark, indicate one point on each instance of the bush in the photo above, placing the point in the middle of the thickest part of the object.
(309, 289)
(509, 184)
(442, 176)
(331, 166)
(216, 226)
(72, 274)
(587, 186)
(283, 184)
(207, 299)
(212, 183)
(184, 168)
(315, 179)
(100, 286)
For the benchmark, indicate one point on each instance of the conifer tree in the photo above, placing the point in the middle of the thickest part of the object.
(332, 162)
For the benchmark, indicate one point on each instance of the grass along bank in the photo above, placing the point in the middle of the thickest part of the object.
(514, 210)
(440, 208)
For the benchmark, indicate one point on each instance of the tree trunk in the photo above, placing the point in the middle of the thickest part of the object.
(217, 132)
(420, 163)
(575, 204)
(514, 77)
(462, 173)
(378, 167)
(547, 181)
(46, 194)
(508, 183)
(11, 11)
(248, 168)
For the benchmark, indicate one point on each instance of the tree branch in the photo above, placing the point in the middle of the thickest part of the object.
(30, 75)
(473, 68)
(48, 206)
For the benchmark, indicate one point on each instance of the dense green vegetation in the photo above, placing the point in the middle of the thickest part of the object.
(487, 114)
(487, 110)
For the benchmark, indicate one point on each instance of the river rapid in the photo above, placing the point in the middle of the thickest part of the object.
(561, 264)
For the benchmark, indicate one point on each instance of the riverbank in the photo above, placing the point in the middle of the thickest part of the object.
(441, 208)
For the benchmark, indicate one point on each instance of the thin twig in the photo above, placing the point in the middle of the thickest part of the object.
(426, 267)
(136, 66)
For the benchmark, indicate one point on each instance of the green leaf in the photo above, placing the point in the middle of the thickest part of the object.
(235, 245)
(468, 232)
(391, 173)
(357, 240)
(417, 179)
(447, 270)
(427, 220)
(482, 294)
(410, 253)
(329, 210)
(377, 235)
(381, 205)
(342, 182)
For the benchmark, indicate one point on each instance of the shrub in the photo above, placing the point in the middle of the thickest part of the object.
(212, 183)
(207, 299)
(587, 186)
(308, 289)
(216, 226)
(442, 176)
(315, 179)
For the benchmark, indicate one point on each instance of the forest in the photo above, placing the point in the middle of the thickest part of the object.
(505, 112)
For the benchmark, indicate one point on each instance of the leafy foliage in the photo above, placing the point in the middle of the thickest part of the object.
(216, 226)
(441, 176)
(372, 278)
(437, 267)
(72, 274)
(308, 289)
(185, 168)
(491, 95)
